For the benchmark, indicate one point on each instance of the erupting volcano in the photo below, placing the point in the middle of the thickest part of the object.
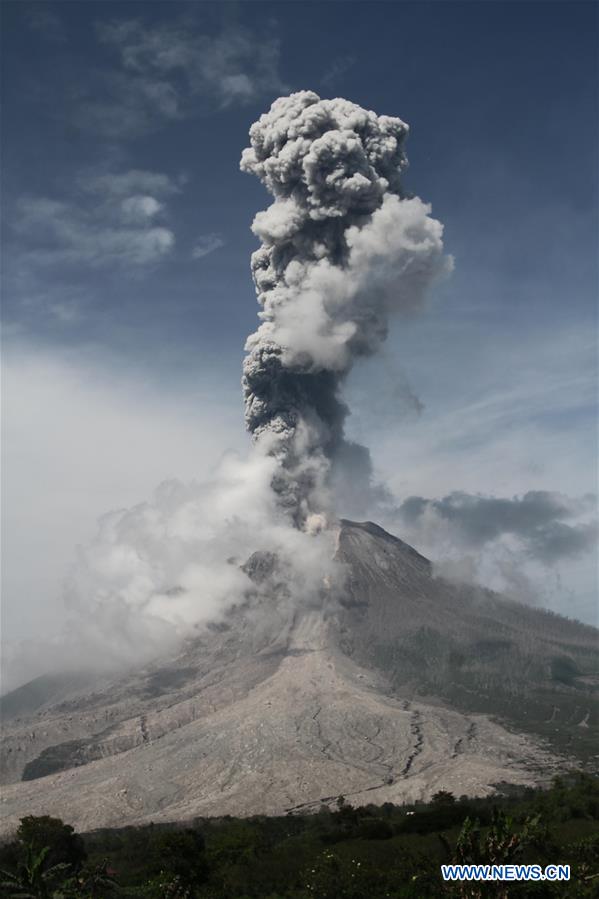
(273, 654)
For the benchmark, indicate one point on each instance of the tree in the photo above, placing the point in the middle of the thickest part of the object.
(443, 797)
(501, 845)
(64, 845)
(95, 882)
(180, 854)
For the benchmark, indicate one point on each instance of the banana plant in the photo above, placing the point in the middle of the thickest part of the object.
(32, 880)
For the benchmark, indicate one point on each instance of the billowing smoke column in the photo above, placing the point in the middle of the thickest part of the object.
(342, 251)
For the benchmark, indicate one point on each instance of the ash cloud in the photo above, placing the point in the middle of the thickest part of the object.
(539, 519)
(343, 250)
(539, 548)
(557, 540)
(155, 574)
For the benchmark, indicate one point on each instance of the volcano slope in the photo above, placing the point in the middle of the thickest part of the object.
(402, 686)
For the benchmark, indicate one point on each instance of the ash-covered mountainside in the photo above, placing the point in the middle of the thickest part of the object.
(399, 685)
(468, 645)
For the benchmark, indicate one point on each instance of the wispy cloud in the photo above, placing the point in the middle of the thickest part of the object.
(122, 227)
(132, 181)
(63, 234)
(498, 410)
(107, 225)
(207, 243)
(166, 72)
(66, 312)
(337, 70)
(46, 22)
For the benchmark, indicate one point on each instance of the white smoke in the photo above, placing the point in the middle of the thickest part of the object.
(177, 560)
(156, 573)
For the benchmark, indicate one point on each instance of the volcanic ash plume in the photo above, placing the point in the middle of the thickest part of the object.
(343, 249)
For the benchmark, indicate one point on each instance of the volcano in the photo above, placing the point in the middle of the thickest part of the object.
(398, 686)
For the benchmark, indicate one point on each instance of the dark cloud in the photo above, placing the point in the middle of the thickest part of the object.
(558, 540)
(538, 518)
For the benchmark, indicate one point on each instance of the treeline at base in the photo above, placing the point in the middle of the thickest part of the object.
(371, 852)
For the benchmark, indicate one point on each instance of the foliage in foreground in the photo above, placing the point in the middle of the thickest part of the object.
(350, 853)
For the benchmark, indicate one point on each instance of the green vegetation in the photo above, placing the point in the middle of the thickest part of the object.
(517, 678)
(346, 853)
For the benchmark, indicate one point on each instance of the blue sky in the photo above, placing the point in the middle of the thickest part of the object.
(127, 294)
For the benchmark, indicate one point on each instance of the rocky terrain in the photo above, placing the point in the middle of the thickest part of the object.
(400, 686)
